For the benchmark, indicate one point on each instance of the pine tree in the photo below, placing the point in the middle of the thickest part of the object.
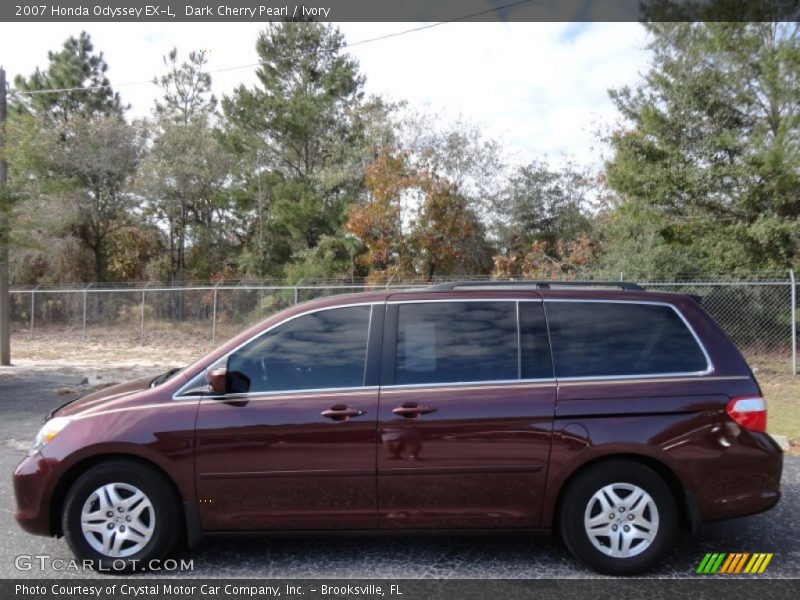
(297, 124)
(710, 151)
(76, 65)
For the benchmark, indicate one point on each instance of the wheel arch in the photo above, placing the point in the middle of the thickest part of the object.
(71, 475)
(679, 493)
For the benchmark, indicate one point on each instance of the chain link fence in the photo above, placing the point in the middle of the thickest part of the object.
(759, 315)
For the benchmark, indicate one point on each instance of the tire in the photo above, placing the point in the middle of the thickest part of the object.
(120, 515)
(652, 520)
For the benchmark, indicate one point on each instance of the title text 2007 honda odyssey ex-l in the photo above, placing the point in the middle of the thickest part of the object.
(613, 416)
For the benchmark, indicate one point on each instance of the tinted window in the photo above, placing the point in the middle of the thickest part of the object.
(325, 349)
(536, 361)
(443, 342)
(606, 339)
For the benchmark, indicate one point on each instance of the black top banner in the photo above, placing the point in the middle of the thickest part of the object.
(399, 10)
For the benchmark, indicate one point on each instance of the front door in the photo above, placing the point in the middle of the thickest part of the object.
(292, 443)
(466, 414)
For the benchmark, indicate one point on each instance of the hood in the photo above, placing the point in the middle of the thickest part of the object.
(115, 396)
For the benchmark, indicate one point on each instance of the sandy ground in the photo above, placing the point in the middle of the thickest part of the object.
(106, 355)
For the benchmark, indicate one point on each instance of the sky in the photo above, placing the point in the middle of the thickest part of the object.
(541, 89)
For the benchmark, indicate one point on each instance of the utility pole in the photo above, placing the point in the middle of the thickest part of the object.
(5, 331)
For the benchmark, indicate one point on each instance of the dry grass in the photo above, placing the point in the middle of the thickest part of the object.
(166, 344)
(782, 391)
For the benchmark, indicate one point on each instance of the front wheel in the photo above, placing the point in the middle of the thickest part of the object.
(120, 516)
(619, 518)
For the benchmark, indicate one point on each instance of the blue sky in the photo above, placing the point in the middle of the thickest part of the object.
(540, 88)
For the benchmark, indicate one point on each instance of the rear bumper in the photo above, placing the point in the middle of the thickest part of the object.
(31, 482)
(740, 505)
(745, 482)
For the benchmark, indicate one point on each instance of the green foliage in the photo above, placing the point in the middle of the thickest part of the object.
(333, 257)
(297, 125)
(186, 171)
(186, 88)
(74, 177)
(302, 177)
(304, 215)
(184, 176)
(95, 162)
(708, 166)
(74, 66)
(541, 203)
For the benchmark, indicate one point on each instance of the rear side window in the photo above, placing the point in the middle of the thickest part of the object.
(450, 342)
(597, 339)
(324, 349)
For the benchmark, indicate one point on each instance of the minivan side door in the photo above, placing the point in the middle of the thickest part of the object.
(466, 413)
(292, 444)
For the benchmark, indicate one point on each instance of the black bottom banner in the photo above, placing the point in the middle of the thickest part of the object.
(399, 589)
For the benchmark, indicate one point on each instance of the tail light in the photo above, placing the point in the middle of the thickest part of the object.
(750, 412)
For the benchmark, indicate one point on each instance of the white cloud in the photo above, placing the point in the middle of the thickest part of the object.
(539, 87)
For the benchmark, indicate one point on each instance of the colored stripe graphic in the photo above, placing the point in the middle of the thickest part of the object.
(703, 563)
(758, 563)
(740, 564)
(733, 557)
(735, 562)
(724, 563)
(711, 563)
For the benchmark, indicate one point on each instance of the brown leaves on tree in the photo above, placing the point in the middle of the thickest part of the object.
(441, 236)
(378, 221)
(572, 260)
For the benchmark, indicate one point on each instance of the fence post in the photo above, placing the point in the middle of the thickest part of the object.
(297, 285)
(83, 333)
(141, 332)
(794, 321)
(214, 319)
(33, 309)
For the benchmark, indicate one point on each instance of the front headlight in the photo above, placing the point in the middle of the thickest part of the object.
(49, 430)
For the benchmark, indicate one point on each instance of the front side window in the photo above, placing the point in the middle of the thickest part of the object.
(451, 342)
(325, 349)
(604, 339)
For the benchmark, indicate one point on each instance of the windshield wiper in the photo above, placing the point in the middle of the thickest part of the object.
(164, 377)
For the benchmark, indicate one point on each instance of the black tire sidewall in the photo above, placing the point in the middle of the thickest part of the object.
(577, 497)
(154, 486)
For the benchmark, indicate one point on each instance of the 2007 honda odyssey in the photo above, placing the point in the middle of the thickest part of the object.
(615, 417)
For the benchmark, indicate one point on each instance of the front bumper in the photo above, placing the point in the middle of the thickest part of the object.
(32, 487)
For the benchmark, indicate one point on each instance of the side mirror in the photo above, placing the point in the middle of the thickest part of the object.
(216, 376)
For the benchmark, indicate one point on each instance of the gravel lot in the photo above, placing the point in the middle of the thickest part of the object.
(25, 399)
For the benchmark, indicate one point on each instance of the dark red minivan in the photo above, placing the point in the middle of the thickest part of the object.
(616, 417)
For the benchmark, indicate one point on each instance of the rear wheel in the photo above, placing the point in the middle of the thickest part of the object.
(121, 515)
(619, 518)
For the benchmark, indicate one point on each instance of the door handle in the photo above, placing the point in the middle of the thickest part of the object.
(411, 410)
(341, 412)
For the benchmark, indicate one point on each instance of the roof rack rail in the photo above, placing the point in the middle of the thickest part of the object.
(452, 285)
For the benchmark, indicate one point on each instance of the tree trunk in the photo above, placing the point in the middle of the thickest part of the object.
(99, 264)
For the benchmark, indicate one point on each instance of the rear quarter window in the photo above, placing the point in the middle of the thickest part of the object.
(605, 339)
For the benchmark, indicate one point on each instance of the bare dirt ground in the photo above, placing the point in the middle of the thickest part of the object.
(107, 354)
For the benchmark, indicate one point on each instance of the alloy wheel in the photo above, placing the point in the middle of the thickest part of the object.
(621, 520)
(118, 520)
